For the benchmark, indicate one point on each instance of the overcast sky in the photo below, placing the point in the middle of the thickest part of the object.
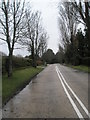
(49, 14)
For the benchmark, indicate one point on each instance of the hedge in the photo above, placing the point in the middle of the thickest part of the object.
(17, 62)
(85, 61)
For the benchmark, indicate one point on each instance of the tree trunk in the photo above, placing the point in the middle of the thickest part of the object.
(36, 58)
(10, 65)
(89, 41)
(87, 19)
(33, 56)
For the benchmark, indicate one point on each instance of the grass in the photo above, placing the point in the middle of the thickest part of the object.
(81, 67)
(19, 78)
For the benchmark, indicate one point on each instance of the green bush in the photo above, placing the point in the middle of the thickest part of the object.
(3, 64)
(39, 62)
(20, 62)
(85, 61)
(17, 62)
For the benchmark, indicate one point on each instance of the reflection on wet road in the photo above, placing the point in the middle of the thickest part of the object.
(44, 97)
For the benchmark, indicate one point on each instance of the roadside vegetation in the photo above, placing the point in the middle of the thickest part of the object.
(74, 46)
(75, 40)
(0, 86)
(23, 26)
(23, 72)
(18, 81)
(81, 68)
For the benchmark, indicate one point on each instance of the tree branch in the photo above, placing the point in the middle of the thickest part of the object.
(3, 39)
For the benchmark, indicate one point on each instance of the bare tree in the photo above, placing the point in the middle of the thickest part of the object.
(68, 26)
(32, 34)
(10, 21)
(42, 43)
(83, 9)
(67, 22)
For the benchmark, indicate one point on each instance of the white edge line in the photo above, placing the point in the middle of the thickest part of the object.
(69, 97)
(82, 105)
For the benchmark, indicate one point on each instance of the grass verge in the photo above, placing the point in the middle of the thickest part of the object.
(81, 67)
(20, 78)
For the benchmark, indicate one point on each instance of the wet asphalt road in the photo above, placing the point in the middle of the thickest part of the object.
(57, 92)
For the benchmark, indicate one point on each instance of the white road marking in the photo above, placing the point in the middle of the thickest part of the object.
(69, 97)
(82, 105)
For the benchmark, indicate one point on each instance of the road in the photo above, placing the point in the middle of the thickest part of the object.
(57, 92)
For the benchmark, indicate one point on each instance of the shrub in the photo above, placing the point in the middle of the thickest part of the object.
(17, 62)
(3, 64)
(20, 62)
(85, 61)
(39, 62)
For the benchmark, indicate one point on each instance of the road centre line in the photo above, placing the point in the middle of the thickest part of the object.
(69, 97)
(79, 101)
